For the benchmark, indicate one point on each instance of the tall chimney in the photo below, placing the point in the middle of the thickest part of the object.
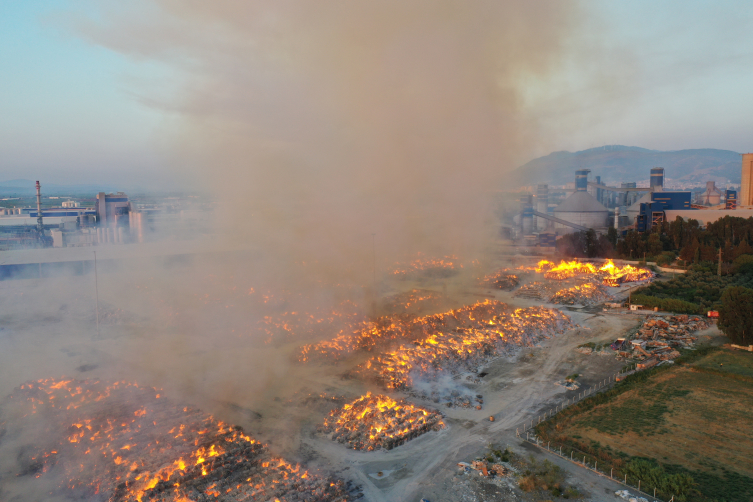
(40, 226)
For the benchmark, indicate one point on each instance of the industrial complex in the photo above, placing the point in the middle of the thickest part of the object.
(591, 204)
(84, 219)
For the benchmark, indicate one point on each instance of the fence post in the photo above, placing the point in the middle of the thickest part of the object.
(596, 465)
(571, 454)
(625, 478)
(611, 471)
(639, 485)
(560, 451)
(654, 492)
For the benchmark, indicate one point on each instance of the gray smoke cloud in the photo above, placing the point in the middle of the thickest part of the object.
(317, 123)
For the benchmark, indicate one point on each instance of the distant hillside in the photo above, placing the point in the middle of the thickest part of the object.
(617, 163)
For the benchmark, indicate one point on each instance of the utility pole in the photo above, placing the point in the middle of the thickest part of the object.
(96, 289)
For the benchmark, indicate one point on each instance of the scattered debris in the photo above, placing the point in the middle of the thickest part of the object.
(658, 339)
(485, 468)
(624, 494)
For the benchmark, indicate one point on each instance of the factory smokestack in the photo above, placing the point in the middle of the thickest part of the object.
(40, 226)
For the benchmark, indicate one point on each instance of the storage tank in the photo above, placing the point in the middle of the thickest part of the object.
(581, 207)
(712, 196)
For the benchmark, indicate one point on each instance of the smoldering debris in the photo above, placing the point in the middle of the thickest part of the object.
(122, 442)
(464, 348)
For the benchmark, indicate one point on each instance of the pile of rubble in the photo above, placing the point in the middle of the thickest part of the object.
(585, 294)
(389, 330)
(501, 280)
(373, 422)
(92, 440)
(533, 291)
(484, 468)
(659, 339)
(415, 299)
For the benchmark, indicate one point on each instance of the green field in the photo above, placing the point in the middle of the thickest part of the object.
(661, 426)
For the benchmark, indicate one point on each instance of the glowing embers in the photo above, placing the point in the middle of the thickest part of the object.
(413, 300)
(466, 348)
(609, 273)
(126, 443)
(392, 329)
(584, 294)
(501, 280)
(373, 422)
(429, 267)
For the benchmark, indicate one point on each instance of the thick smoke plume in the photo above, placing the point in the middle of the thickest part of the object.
(318, 123)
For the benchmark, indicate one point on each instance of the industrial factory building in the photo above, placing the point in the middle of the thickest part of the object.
(593, 205)
(112, 220)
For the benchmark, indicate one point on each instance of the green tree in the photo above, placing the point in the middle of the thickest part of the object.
(736, 315)
(654, 245)
(612, 235)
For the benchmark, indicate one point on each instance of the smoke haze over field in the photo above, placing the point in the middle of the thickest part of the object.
(319, 123)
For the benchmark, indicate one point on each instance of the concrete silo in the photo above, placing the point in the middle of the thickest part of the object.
(581, 207)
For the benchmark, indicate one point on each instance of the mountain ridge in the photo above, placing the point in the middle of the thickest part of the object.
(620, 163)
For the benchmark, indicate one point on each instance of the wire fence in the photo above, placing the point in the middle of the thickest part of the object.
(583, 459)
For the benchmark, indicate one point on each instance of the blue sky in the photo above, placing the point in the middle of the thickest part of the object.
(67, 113)
(662, 75)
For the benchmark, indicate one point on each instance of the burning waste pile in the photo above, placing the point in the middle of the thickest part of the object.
(373, 422)
(413, 300)
(585, 294)
(464, 347)
(608, 273)
(122, 442)
(429, 267)
(370, 335)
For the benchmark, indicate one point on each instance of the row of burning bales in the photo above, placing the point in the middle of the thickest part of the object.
(122, 442)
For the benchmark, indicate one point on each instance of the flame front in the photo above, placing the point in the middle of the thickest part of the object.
(610, 274)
